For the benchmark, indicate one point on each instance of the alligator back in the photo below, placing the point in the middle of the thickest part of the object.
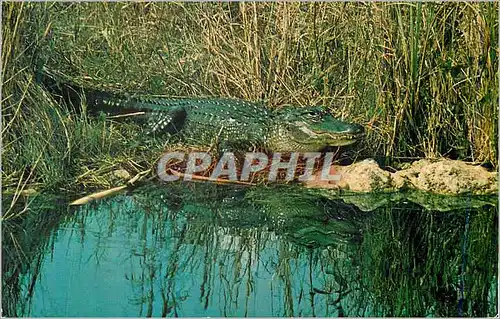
(239, 125)
(201, 121)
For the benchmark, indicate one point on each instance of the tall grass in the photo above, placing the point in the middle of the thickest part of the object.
(419, 263)
(421, 77)
(46, 146)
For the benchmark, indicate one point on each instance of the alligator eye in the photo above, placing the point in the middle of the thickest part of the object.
(317, 112)
(314, 115)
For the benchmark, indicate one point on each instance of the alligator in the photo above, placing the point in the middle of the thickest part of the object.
(229, 124)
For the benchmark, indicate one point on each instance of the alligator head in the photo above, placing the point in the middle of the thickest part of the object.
(311, 129)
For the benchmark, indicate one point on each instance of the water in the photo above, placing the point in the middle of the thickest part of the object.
(205, 250)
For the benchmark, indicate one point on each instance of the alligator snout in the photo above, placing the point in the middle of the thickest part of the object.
(356, 129)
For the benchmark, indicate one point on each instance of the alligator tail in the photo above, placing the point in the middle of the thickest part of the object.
(86, 100)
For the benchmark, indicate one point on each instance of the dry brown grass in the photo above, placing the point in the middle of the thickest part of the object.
(421, 77)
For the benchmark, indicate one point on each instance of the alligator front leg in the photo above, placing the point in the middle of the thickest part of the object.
(169, 121)
(238, 147)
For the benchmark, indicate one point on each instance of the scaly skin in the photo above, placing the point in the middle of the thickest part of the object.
(229, 124)
(238, 125)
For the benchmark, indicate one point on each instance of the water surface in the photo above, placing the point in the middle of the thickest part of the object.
(206, 250)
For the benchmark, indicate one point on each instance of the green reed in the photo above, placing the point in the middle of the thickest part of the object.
(421, 77)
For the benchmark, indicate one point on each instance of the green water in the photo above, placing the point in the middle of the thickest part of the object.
(204, 250)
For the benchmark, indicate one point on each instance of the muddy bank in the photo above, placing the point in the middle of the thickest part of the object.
(445, 177)
(440, 177)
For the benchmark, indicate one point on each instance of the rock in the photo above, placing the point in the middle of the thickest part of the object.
(446, 177)
(365, 176)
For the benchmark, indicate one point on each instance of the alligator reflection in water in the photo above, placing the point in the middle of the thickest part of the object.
(208, 250)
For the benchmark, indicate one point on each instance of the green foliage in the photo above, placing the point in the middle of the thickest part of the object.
(416, 263)
(421, 77)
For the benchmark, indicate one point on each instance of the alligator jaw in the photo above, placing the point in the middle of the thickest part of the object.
(330, 138)
(339, 139)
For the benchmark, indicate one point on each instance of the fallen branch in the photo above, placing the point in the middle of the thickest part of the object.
(98, 195)
(207, 179)
(109, 192)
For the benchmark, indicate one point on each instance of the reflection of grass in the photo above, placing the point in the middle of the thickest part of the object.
(421, 77)
(22, 252)
(408, 261)
(214, 245)
(413, 262)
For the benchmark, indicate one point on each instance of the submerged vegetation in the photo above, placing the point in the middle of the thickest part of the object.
(188, 247)
(422, 78)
